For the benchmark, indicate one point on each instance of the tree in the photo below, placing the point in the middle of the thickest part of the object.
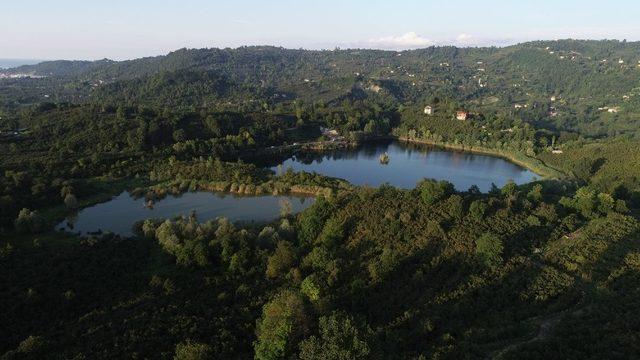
(121, 113)
(29, 221)
(166, 235)
(283, 324)
(311, 221)
(31, 347)
(310, 287)
(213, 126)
(455, 207)
(193, 351)
(590, 203)
(432, 191)
(489, 250)
(583, 169)
(510, 193)
(70, 201)
(282, 260)
(179, 135)
(339, 339)
(535, 194)
(477, 209)
(66, 190)
(474, 190)
(370, 127)
(285, 208)
(509, 189)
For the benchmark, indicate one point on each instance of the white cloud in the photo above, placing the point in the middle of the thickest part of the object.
(465, 39)
(410, 40)
(468, 40)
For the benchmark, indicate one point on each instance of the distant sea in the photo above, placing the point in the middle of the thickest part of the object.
(11, 63)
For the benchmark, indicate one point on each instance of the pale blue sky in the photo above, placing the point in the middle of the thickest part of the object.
(120, 29)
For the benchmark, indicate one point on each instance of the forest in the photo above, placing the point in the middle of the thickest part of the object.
(550, 268)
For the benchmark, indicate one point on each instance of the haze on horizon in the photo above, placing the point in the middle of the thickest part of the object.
(121, 29)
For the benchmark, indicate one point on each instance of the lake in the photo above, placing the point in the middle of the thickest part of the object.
(120, 213)
(408, 164)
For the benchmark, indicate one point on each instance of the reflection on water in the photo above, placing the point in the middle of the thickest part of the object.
(408, 164)
(120, 213)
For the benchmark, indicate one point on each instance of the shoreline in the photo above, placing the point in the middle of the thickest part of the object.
(58, 213)
(532, 164)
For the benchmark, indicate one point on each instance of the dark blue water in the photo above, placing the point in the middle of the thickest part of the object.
(409, 164)
(120, 213)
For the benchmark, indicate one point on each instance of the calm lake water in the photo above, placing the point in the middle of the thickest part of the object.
(120, 213)
(407, 165)
(410, 163)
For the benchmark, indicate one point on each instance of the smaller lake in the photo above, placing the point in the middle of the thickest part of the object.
(120, 213)
(408, 164)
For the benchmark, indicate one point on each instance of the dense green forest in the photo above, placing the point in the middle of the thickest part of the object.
(563, 84)
(546, 269)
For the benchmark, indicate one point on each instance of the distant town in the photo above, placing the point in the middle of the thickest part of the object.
(20, 76)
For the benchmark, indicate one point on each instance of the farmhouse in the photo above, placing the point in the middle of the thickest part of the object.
(462, 115)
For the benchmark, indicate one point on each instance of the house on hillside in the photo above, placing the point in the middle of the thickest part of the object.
(462, 115)
(331, 134)
(428, 110)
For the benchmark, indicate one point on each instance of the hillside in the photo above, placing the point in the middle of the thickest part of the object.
(562, 85)
(546, 269)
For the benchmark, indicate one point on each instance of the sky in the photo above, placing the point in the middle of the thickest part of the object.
(126, 29)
